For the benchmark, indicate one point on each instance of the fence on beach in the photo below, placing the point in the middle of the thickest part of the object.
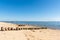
(18, 28)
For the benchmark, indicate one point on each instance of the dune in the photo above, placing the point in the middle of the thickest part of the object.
(41, 34)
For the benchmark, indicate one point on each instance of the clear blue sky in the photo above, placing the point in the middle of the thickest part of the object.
(29, 10)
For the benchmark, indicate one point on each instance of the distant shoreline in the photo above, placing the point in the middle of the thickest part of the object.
(49, 24)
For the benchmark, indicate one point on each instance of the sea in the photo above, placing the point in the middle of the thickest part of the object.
(49, 24)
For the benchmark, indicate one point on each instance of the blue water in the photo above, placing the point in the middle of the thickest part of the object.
(51, 24)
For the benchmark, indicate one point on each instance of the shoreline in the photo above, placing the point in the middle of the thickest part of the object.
(40, 34)
(19, 27)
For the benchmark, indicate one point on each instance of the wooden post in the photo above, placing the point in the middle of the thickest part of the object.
(6, 29)
(2, 29)
(17, 28)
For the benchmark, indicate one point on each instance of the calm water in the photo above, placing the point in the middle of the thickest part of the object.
(51, 24)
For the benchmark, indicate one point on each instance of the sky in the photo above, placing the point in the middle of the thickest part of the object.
(29, 10)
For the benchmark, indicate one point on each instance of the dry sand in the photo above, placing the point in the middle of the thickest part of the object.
(41, 34)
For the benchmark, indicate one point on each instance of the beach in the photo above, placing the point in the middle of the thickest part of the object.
(40, 34)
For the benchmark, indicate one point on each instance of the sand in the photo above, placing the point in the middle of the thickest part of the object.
(41, 34)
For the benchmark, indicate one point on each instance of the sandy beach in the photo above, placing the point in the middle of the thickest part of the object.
(41, 34)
